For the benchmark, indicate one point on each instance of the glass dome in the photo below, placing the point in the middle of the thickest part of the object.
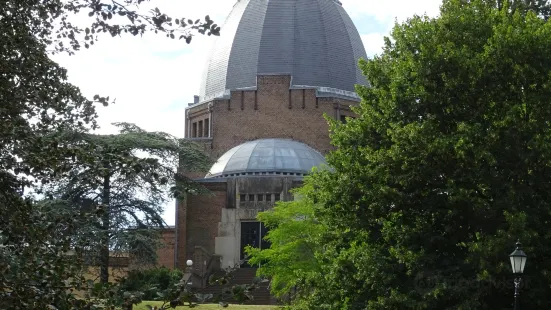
(267, 157)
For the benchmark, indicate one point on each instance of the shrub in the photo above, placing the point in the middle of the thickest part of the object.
(150, 281)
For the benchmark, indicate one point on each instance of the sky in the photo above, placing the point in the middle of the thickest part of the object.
(153, 78)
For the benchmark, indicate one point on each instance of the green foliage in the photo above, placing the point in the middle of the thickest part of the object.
(42, 243)
(127, 179)
(147, 304)
(38, 261)
(180, 293)
(41, 101)
(150, 281)
(109, 296)
(450, 151)
(52, 22)
(446, 166)
(542, 8)
(295, 236)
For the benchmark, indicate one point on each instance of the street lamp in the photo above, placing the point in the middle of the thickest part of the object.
(518, 261)
(189, 270)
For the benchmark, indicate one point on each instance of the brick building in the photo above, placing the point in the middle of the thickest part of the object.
(278, 67)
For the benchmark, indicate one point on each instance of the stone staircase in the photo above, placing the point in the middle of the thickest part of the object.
(261, 295)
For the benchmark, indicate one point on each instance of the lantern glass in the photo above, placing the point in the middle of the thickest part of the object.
(189, 262)
(518, 260)
(517, 263)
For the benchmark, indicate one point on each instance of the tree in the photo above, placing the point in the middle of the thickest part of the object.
(452, 143)
(127, 178)
(38, 262)
(294, 234)
(37, 104)
(446, 166)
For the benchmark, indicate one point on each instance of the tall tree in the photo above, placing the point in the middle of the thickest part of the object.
(36, 104)
(446, 166)
(448, 163)
(295, 238)
(129, 177)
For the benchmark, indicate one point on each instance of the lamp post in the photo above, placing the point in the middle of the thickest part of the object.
(186, 285)
(518, 261)
(187, 272)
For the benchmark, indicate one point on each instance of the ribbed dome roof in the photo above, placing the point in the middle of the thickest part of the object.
(267, 157)
(313, 40)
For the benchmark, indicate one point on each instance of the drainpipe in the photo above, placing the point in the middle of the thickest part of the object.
(176, 233)
(211, 104)
(188, 125)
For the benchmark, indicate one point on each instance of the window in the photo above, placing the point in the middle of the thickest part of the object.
(242, 197)
(260, 197)
(200, 129)
(276, 197)
(252, 234)
(194, 130)
(206, 131)
(251, 197)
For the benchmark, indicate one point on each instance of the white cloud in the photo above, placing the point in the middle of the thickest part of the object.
(388, 10)
(373, 43)
(153, 78)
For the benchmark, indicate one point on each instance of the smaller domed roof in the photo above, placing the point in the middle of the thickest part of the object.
(267, 157)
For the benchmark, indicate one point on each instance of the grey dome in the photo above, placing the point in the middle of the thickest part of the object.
(314, 41)
(267, 157)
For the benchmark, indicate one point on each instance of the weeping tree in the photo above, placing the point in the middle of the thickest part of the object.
(127, 178)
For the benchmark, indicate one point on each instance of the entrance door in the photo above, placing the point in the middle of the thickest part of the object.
(252, 233)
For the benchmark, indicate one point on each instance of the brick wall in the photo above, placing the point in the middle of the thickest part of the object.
(165, 254)
(271, 111)
(181, 227)
(198, 219)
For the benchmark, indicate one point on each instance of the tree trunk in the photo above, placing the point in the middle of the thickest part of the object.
(104, 250)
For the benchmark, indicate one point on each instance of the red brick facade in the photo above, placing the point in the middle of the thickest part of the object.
(273, 110)
(166, 253)
(198, 218)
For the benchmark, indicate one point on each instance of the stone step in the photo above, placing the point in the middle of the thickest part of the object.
(241, 276)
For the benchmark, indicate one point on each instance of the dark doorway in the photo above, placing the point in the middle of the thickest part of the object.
(252, 233)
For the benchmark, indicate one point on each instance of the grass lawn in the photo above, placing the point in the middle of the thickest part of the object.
(206, 306)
